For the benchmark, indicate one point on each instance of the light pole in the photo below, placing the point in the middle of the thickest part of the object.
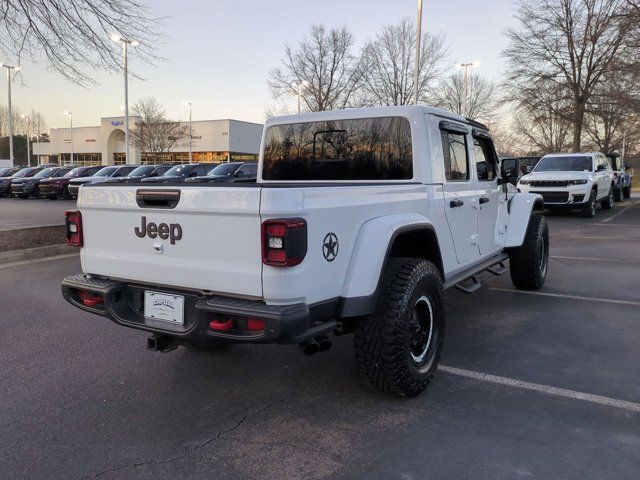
(298, 87)
(188, 103)
(28, 119)
(116, 37)
(416, 67)
(10, 113)
(70, 131)
(465, 88)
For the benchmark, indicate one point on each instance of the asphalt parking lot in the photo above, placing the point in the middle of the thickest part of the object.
(532, 385)
(16, 213)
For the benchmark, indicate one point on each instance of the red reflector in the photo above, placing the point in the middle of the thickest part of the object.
(276, 230)
(221, 325)
(90, 299)
(255, 324)
(277, 256)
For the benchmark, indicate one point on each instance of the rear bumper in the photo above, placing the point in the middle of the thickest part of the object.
(124, 304)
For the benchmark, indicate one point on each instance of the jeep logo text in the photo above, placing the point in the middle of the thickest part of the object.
(171, 231)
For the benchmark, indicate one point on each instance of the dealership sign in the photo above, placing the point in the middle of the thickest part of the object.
(117, 123)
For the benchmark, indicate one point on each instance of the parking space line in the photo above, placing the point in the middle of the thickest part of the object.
(546, 389)
(606, 220)
(37, 260)
(572, 297)
(594, 259)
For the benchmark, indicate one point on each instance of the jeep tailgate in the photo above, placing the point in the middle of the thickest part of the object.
(210, 240)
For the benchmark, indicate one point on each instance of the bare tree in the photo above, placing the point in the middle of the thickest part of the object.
(154, 134)
(571, 43)
(389, 61)
(540, 119)
(72, 36)
(35, 125)
(325, 63)
(482, 94)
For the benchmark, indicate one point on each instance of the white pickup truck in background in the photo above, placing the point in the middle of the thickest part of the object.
(358, 221)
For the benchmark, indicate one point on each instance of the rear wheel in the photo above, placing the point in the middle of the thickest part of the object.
(398, 347)
(528, 264)
(617, 194)
(607, 203)
(626, 192)
(589, 209)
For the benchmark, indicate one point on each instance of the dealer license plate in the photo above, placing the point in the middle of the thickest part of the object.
(165, 307)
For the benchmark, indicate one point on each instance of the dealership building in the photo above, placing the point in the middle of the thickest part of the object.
(212, 141)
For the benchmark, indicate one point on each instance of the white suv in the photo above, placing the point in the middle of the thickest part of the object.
(572, 181)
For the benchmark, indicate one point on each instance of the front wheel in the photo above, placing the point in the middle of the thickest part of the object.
(528, 264)
(589, 209)
(398, 347)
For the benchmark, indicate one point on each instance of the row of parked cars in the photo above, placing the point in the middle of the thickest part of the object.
(574, 181)
(54, 181)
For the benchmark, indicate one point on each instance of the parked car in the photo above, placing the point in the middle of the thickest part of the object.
(179, 173)
(370, 248)
(101, 175)
(622, 176)
(518, 166)
(143, 171)
(27, 172)
(572, 181)
(54, 188)
(27, 187)
(229, 173)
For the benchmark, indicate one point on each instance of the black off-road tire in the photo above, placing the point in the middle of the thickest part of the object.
(388, 349)
(589, 209)
(626, 193)
(607, 202)
(617, 194)
(528, 264)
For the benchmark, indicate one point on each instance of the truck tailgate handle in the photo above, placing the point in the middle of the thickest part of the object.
(157, 198)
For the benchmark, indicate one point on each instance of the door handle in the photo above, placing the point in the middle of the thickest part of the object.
(483, 200)
(456, 203)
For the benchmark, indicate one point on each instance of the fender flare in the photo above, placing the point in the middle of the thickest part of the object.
(521, 207)
(370, 254)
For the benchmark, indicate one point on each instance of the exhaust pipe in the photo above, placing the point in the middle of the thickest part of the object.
(323, 342)
(309, 347)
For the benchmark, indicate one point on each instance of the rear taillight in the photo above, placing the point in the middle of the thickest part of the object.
(284, 241)
(73, 222)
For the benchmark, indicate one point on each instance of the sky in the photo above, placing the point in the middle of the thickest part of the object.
(218, 54)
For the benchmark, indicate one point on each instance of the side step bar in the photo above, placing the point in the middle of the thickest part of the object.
(468, 282)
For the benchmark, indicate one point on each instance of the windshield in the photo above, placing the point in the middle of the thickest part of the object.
(161, 170)
(106, 171)
(73, 173)
(569, 163)
(26, 172)
(224, 169)
(179, 171)
(141, 171)
(60, 173)
(47, 172)
(4, 171)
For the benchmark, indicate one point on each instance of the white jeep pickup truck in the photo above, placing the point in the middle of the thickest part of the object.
(358, 221)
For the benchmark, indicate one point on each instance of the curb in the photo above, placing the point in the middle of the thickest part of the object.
(36, 253)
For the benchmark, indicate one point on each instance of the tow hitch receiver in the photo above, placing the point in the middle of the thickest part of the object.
(162, 343)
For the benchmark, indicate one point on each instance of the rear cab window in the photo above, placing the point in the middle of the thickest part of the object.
(374, 149)
(455, 152)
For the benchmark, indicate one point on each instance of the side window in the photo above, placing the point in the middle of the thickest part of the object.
(456, 159)
(243, 170)
(202, 170)
(253, 169)
(485, 158)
